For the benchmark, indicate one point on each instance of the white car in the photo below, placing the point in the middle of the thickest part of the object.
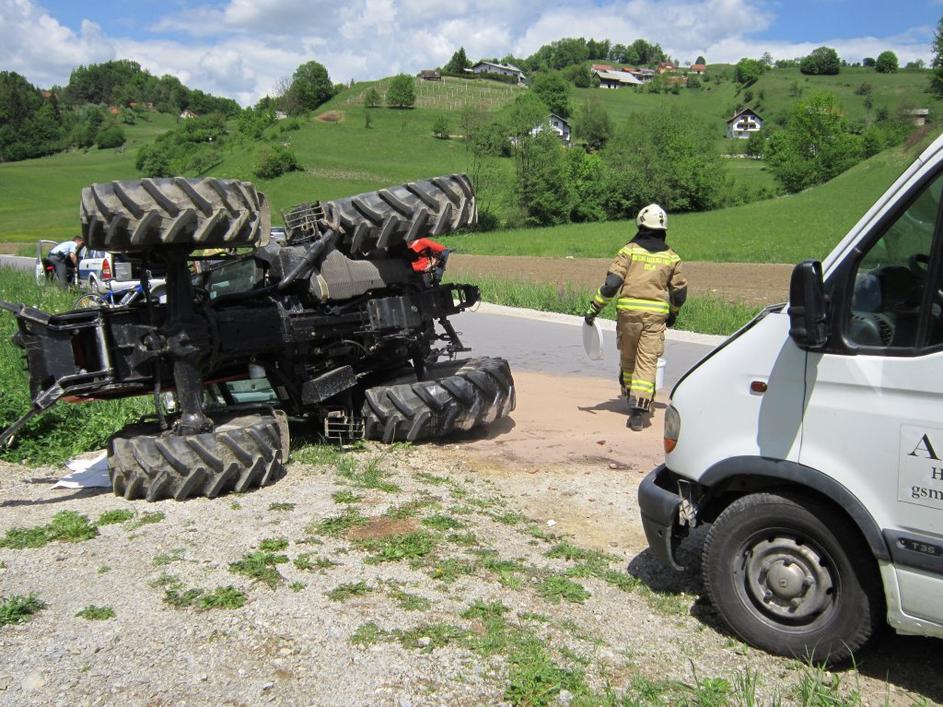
(97, 267)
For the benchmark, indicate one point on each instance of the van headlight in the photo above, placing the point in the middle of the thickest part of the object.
(672, 428)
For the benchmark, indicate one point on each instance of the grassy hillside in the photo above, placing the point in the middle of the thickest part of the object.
(40, 198)
(782, 230)
(342, 156)
(776, 90)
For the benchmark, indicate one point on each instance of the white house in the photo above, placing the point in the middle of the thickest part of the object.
(616, 79)
(743, 124)
(488, 67)
(554, 122)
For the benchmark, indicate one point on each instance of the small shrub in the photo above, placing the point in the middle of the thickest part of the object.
(110, 137)
(346, 497)
(440, 128)
(96, 613)
(220, 598)
(273, 161)
(18, 609)
(367, 634)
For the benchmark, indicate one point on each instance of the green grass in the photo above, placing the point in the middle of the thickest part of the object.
(281, 507)
(119, 515)
(39, 198)
(18, 609)
(65, 430)
(65, 526)
(306, 563)
(273, 544)
(409, 602)
(260, 566)
(147, 518)
(96, 613)
(165, 558)
(440, 521)
(786, 229)
(707, 315)
(408, 546)
(227, 597)
(556, 587)
(337, 525)
(343, 592)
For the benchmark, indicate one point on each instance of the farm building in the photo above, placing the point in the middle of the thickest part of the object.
(554, 122)
(616, 79)
(488, 67)
(430, 75)
(187, 114)
(918, 116)
(665, 67)
(743, 124)
(698, 68)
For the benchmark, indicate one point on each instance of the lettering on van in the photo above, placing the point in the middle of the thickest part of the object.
(920, 470)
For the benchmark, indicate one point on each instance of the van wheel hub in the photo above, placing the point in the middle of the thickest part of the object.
(787, 579)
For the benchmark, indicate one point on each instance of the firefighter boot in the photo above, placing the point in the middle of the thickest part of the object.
(636, 420)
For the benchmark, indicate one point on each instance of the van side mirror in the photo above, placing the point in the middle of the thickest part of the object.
(808, 318)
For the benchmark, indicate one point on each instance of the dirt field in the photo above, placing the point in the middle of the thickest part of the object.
(454, 573)
(753, 283)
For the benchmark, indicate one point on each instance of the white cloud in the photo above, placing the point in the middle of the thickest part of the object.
(241, 48)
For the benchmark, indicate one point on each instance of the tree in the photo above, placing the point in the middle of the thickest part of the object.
(868, 62)
(458, 63)
(700, 59)
(886, 63)
(273, 161)
(29, 125)
(668, 156)
(748, 71)
(815, 144)
(823, 61)
(554, 91)
(593, 125)
(936, 65)
(579, 75)
(440, 128)
(401, 92)
(917, 65)
(371, 98)
(310, 87)
(767, 60)
(545, 190)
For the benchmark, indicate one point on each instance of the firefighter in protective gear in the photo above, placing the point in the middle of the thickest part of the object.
(649, 286)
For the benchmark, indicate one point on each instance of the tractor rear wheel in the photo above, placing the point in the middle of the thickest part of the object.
(398, 215)
(456, 396)
(134, 216)
(243, 452)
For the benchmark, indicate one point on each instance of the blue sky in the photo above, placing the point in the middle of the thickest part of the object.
(243, 48)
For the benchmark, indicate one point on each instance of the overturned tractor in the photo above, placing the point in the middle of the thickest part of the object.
(333, 326)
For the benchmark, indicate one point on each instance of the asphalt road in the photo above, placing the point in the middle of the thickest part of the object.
(17, 262)
(553, 344)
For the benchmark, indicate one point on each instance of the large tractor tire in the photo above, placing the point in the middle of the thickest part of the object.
(245, 451)
(389, 217)
(199, 213)
(456, 396)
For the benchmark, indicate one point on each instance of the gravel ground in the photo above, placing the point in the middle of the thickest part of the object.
(433, 588)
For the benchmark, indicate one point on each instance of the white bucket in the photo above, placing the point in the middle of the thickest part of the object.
(660, 374)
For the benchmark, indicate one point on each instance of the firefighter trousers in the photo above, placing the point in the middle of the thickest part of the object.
(641, 340)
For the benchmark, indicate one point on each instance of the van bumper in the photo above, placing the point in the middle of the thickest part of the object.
(659, 507)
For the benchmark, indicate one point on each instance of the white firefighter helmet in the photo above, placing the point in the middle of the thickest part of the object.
(653, 217)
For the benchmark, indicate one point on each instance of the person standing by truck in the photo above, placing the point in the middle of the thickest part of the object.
(647, 277)
(65, 259)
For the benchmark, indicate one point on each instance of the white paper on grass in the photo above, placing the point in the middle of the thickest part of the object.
(87, 473)
(592, 340)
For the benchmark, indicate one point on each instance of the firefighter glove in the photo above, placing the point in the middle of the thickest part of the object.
(591, 313)
(672, 318)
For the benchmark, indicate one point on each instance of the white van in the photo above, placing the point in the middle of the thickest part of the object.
(812, 442)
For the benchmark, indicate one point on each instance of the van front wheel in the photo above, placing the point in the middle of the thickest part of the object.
(792, 577)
